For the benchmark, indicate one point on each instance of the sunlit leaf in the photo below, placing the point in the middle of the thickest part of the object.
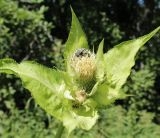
(46, 85)
(106, 94)
(120, 59)
(72, 120)
(100, 62)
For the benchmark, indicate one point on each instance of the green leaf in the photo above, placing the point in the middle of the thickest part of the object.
(71, 121)
(77, 39)
(50, 89)
(100, 62)
(46, 85)
(120, 59)
(106, 94)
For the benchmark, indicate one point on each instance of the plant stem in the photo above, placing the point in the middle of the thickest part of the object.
(60, 131)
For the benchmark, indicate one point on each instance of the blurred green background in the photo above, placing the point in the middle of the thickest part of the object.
(37, 30)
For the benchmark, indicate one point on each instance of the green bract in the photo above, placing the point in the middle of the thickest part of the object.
(70, 96)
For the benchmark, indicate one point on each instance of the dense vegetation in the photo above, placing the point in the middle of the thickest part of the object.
(37, 30)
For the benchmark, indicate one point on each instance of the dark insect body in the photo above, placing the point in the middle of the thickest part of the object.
(75, 105)
(82, 52)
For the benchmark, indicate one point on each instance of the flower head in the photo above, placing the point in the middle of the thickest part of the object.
(83, 63)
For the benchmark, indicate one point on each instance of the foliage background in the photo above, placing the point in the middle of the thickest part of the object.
(37, 30)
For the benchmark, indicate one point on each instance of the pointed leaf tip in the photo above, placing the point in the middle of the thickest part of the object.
(72, 11)
(100, 61)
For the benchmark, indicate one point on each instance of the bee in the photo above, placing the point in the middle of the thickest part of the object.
(82, 52)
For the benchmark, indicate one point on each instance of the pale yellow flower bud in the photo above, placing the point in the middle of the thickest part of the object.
(80, 96)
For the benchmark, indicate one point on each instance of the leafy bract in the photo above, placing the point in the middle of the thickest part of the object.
(72, 120)
(106, 94)
(100, 62)
(77, 39)
(50, 89)
(120, 59)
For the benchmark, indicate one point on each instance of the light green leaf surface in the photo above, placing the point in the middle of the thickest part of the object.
(49, 88)
(71, 121)
(106, 94)
(46, 85)
(100, 62)
(77, 39)
(120, 59)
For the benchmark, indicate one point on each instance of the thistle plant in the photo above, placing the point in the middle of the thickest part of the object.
(90, 82)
